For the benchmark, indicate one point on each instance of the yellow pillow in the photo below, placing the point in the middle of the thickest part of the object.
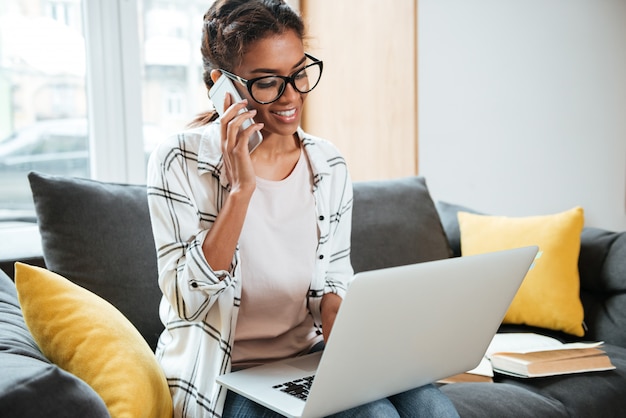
(549, 296)
(87, 336)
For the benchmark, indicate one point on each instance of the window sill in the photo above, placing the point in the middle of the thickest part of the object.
(19, 241)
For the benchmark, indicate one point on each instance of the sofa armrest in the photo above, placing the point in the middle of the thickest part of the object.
(602, 266)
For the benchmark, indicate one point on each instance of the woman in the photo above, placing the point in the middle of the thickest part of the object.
(253, 248)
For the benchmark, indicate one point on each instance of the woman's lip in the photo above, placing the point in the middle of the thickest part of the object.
(286, 116)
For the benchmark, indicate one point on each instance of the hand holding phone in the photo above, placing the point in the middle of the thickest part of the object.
(217, 93)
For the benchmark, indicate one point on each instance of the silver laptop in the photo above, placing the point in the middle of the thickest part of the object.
(397, 329)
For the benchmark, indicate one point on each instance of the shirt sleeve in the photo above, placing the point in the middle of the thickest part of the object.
(340, 271)
(186, 279)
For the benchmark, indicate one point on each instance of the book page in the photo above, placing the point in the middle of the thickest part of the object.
(548, 355)
(483, 369)
(525, 342)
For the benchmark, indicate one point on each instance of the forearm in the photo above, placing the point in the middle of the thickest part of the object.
(329, 308)
(221, 240)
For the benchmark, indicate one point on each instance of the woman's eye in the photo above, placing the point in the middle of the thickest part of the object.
(266, 84)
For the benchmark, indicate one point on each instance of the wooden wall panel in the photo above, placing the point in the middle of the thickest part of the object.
(366, 102)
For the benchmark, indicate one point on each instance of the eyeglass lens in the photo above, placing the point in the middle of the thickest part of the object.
(270, 88)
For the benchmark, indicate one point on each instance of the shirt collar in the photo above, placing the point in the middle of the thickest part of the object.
(210, 158)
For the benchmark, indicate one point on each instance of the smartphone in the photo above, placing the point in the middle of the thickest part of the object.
(217, 93)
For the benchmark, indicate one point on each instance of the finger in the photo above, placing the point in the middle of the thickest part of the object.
(228, 100)
(233, 108)
(227, 118)
(247, 134)
(234, 126)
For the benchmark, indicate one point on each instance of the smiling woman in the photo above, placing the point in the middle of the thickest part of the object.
(253, 246)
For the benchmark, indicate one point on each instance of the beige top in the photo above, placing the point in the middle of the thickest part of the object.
(278, 246)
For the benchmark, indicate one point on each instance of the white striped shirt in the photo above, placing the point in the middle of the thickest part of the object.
(186, 189)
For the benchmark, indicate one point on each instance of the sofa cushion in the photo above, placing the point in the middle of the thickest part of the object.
(549, 296)
(395, 222)
(31, 386)
(99, 236)
(87, 336)
(594, 394)
(501, 400)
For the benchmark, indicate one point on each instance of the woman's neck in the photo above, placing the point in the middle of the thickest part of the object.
(276, 157)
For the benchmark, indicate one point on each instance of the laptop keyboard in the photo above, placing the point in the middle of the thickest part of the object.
(298, 388)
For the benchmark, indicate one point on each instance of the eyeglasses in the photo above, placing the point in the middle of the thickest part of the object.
(268, 89)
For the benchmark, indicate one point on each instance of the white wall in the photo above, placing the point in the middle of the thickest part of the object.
(522, 105)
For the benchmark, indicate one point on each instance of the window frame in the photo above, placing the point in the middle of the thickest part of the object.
(113, 81)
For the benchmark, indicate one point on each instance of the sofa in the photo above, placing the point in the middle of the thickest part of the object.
(96, 239)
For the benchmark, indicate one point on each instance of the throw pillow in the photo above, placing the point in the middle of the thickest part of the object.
(31, 386)
(549, 296)
(99, 236)
(87, 336)
(394, 222)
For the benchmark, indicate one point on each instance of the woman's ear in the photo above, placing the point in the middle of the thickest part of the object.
(215, 74)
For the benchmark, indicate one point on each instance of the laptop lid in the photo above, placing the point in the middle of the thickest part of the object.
(402, 327)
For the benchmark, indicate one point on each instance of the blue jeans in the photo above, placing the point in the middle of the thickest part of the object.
(425, 401)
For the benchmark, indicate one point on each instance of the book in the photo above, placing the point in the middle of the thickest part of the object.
(466, 377)
(481, 373)
(529, 355)
(533, 355)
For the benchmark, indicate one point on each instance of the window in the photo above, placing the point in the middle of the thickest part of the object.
(66, 12)
(173, 89)
(43, 106)
(174, 102)
(89, 87)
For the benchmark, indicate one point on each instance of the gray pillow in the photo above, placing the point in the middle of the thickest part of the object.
(99, 236)
(448, 214)
(31, 386)
(394, 222)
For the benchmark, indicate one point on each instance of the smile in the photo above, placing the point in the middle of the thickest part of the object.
(286, 113)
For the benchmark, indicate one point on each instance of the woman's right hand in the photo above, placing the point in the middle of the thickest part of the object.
(221, 241)
(237, 161)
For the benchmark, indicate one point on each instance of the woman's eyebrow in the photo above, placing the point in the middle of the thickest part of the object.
(273, 71)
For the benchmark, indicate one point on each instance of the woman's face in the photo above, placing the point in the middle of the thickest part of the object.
(275, 55)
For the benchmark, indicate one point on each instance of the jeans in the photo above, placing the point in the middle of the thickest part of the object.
(425, 401)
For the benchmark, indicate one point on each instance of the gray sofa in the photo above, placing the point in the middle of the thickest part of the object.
(99, 236)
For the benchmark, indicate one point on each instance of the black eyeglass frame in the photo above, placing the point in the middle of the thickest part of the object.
(291, 79)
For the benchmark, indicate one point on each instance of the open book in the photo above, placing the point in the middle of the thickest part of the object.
(534, 355)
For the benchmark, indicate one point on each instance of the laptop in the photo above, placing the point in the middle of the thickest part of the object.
(398, 328)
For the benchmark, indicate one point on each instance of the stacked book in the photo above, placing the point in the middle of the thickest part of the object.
(528, 355)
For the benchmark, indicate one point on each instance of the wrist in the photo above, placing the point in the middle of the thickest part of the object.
(241, 193)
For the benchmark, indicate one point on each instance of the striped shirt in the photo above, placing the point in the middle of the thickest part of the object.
(187, 187)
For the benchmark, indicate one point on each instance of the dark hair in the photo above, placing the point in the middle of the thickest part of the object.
(230, 26)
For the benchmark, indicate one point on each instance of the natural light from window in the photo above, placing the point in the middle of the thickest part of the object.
(44, 104)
